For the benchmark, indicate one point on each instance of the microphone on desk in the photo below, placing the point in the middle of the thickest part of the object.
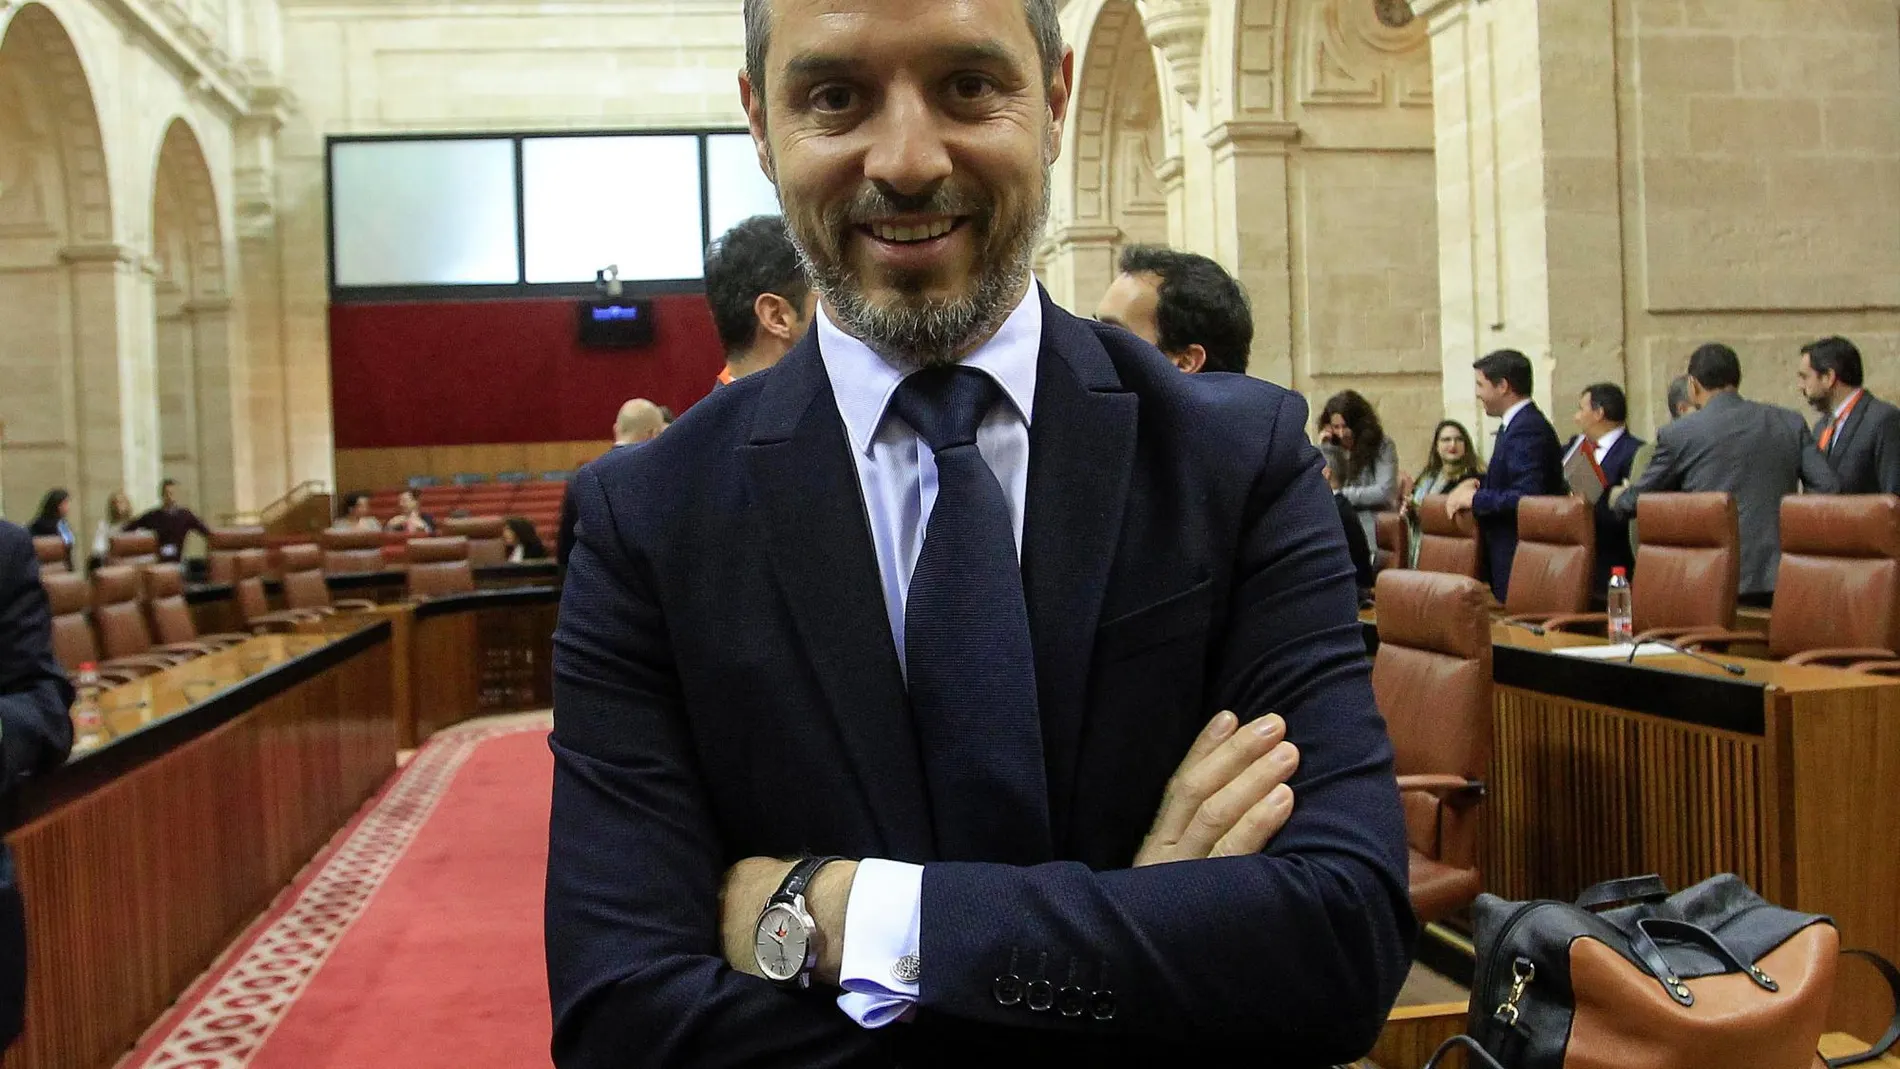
(1535, 629)
(1731, 669)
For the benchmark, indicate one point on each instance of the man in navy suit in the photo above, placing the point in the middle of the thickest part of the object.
(35, 735)
(1602, 412)
(884, 681)
(1525, 462)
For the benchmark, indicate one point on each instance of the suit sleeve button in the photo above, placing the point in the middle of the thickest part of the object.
(1072, 1002)
(1008, 990)
(1040, 995)
(1102, 1005)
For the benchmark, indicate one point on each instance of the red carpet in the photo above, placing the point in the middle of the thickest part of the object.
(415, 944)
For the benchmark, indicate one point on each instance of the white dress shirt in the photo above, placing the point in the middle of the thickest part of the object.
(1504, 421)
(898, 477)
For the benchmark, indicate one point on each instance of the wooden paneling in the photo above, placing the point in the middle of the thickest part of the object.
(447, 662)
(1585, 793)
(1412, 1033)
(135, 887)
(382, 469)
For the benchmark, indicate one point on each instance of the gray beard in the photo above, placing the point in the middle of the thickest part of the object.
(923, 333)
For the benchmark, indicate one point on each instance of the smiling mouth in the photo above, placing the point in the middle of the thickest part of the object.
(913, 234)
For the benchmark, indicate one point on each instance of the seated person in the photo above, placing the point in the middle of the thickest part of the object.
(354, 515)
(523, 543)
(1356, 546)
(409, 517)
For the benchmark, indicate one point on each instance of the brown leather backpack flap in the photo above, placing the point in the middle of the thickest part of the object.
(1625, 1020)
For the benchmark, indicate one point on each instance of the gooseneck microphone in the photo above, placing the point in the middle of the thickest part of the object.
(1535, 629)
(1731, 669)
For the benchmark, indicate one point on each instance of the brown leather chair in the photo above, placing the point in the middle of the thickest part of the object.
(1432, 676)
(226, 543)
(485, 546)
(118, 611)
(439, 566)
(1556, 552)
(1394, 538)
(304, 585)
(69, 599)
(171, 615)
(132, 547)
(1445, 544)
(1837, 593)
(51, 552)
(1688, 569)
(350, 552)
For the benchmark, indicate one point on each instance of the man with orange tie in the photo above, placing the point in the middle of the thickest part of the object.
(760, 300)
(1602, 411)
(1857, 432)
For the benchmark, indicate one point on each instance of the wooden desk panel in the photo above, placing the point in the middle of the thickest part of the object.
(136, 881)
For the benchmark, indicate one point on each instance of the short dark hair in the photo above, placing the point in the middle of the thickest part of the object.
(1716, 367)
(1507, 366)
(1044, 24)
(1197, 303)
(1678, 396)
(754, 257)
(349, 502)
(1607, 397)
(1838, 355)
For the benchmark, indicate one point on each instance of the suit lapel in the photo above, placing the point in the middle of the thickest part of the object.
(1838, 447)
(1081, 453)
(803, 476)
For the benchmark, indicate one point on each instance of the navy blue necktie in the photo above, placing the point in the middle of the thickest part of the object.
(967, 650)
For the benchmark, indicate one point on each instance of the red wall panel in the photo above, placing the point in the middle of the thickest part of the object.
(469, 372)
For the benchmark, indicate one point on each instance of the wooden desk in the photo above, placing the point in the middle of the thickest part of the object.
(141, 859)
(1783, 775)
(466, 655)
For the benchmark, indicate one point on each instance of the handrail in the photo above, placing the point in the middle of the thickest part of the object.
(277, 509)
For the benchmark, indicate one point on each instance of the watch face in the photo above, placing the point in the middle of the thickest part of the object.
(781, 943)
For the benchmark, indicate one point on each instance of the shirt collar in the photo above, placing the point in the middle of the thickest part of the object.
(1511, 413)
(1848, 402)
(864, 382)
(1609, 439)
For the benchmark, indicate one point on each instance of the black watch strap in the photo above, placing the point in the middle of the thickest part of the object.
(800, 877)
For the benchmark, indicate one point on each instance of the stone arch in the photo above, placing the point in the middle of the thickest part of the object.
(195, 378)
(58, 265)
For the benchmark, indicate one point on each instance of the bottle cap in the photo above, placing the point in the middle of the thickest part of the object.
(88, 666)
(1618, 571)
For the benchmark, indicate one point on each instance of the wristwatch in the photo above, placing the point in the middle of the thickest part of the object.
(785, 944)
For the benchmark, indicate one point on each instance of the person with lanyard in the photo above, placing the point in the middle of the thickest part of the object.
(55, 508)
(1858, 433)
(760, 300)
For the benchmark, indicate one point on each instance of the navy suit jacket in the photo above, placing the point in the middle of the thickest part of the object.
(1613, 532)
(726, 686)
(36, 734)
(1525, 462)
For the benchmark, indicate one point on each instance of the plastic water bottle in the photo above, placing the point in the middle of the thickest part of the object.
(89, 725)
(1622, 617)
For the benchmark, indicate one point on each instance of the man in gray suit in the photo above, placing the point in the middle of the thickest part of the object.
(1758, 453)
(1857, 432)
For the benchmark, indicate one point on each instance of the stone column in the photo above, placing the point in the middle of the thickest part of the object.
(115, 373)
(1082, 264)
(222, 411)
(1252, 235)
(1529, 206)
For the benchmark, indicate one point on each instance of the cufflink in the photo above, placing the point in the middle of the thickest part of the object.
(908, 969)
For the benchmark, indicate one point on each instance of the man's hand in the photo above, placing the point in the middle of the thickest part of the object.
(1460, 499)
(752, 882)
(1228, 797)
(1406, 485)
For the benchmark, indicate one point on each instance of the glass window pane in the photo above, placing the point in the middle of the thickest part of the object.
(595, 201)
(736, 187)
(424, 212)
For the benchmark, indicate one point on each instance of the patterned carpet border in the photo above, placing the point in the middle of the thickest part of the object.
(229, 1015)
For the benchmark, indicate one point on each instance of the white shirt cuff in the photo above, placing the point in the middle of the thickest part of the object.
(881, 926)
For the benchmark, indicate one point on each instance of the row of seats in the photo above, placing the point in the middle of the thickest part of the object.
(342, 552)
(132, 620)
(1836, 551)
(538, 502)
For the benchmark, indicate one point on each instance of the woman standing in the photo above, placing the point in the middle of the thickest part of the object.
(1453, 461)
(1372, 470)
